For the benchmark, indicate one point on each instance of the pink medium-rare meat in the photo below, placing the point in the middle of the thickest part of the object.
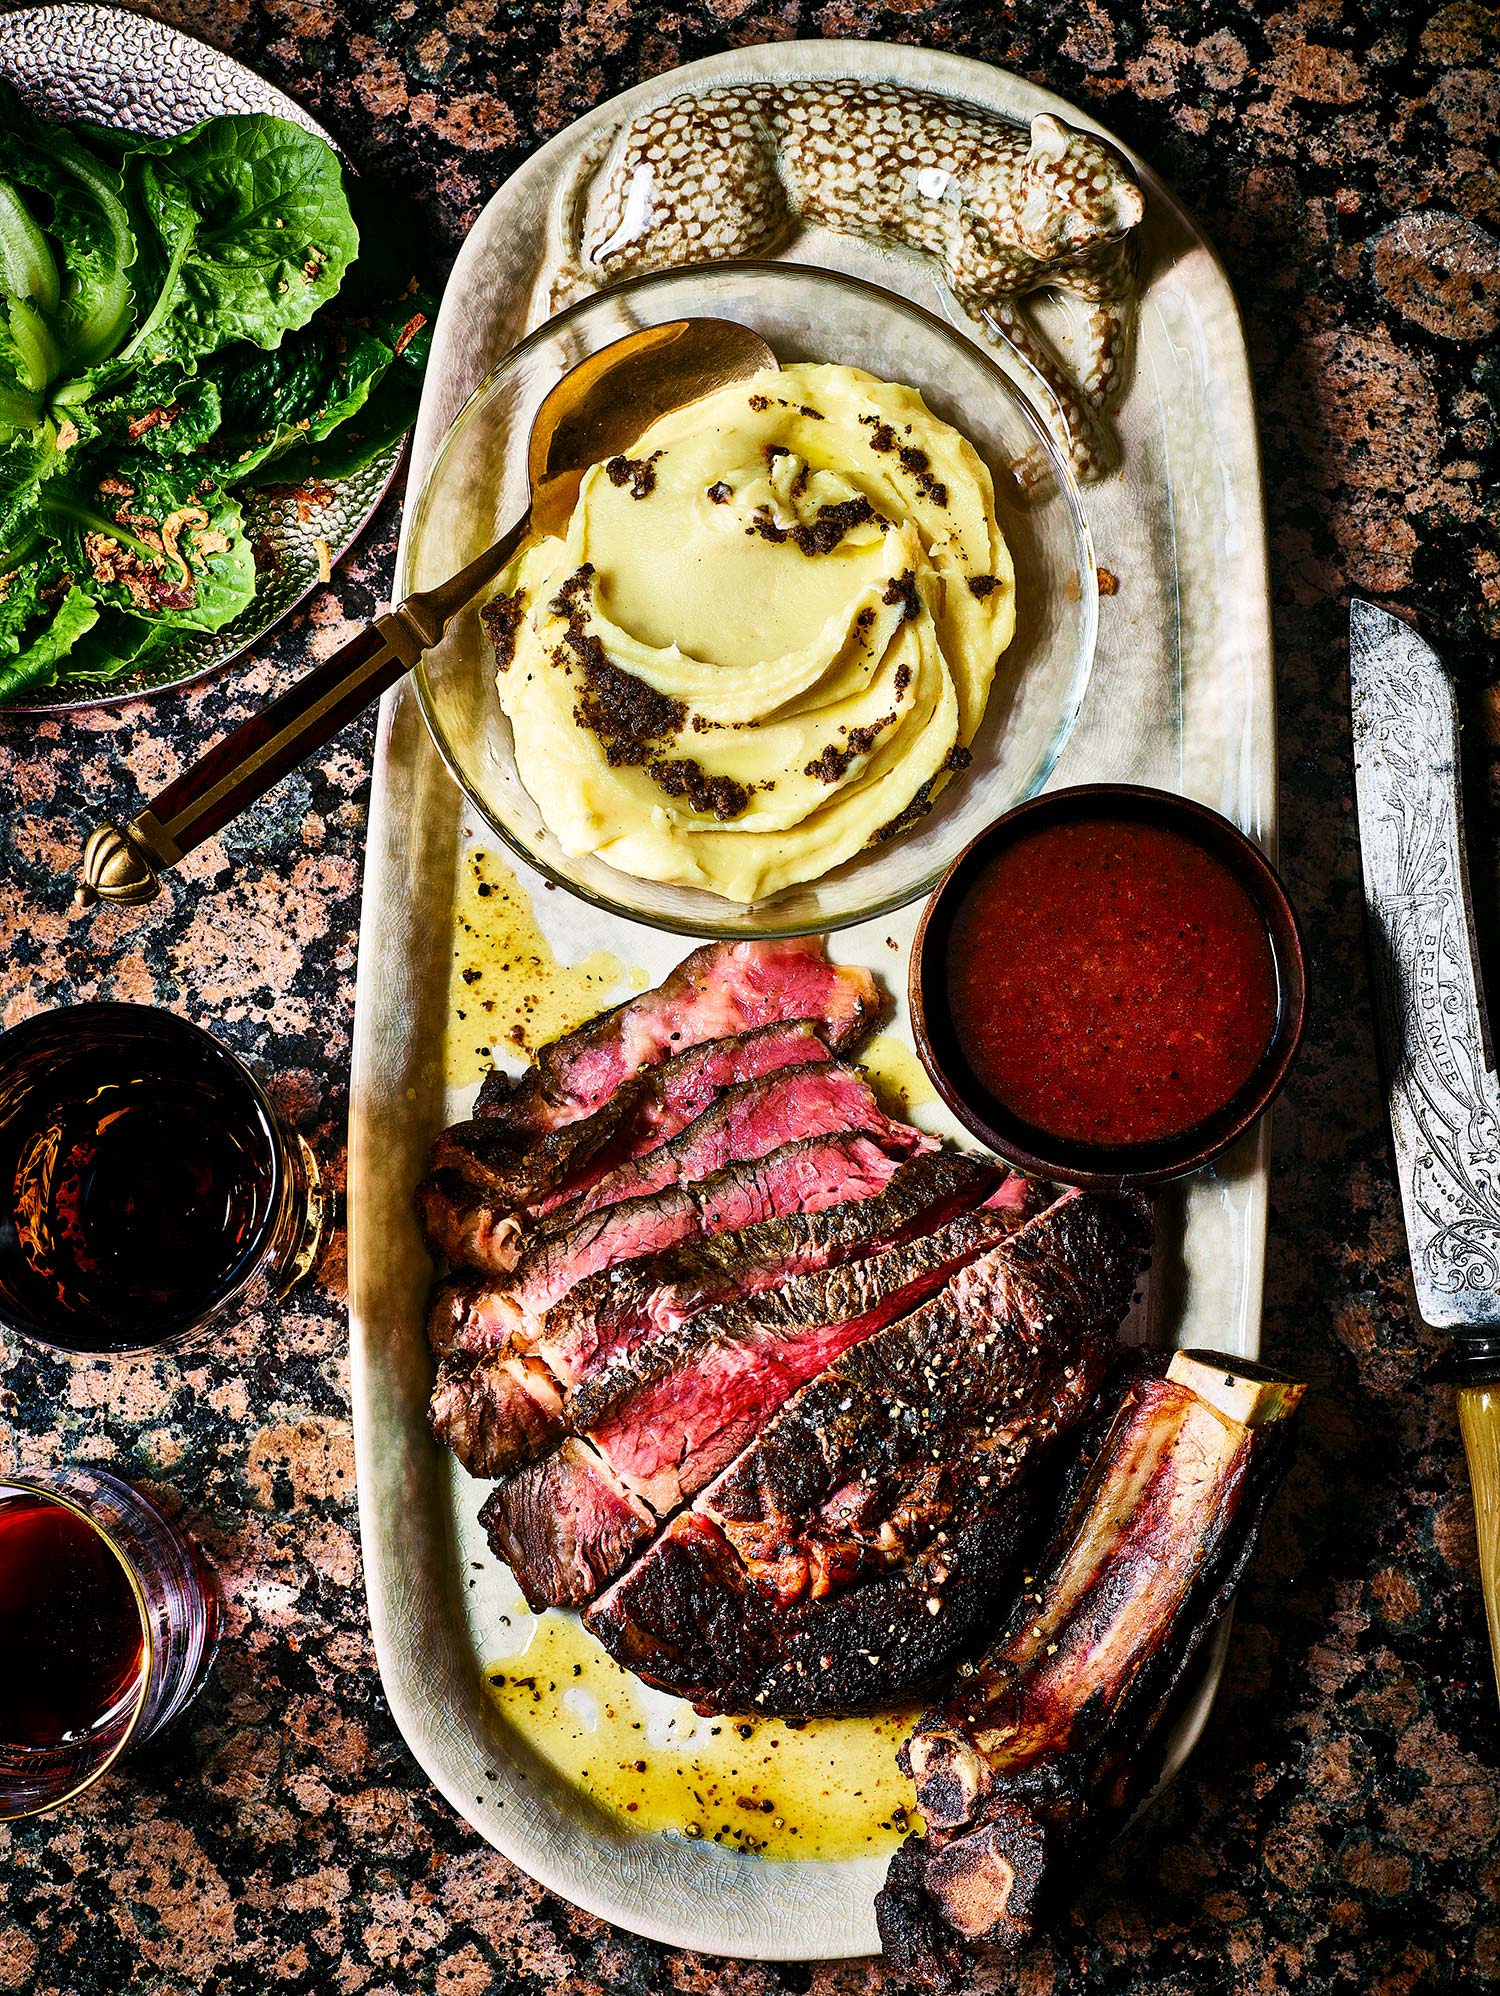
(531, 1176)
(668, 1415)
(720, 990)
(474, 1312)
(753, 1119)
(675, 1095)
(490, 1405)
(664, 1418)
(611, 1311)
(858, 1547)
(746, 1121)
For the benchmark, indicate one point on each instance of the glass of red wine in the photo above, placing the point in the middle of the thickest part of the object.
(109, 1619)
(146, 1187)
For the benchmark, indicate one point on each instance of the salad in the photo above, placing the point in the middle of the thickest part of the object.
(180, 319)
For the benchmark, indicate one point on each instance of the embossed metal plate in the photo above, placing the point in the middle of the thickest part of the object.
(107, 67)
(1444, 1098)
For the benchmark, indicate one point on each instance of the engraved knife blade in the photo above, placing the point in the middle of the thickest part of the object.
(1444, 1096)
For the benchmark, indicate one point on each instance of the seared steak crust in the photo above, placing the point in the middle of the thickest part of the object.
(745, 1121)
(530, 1176)
(671, 1413)
(611, 1311)
(1046, 1747)
(720, 990)
(769, 1326)
(749, 1120)
(858, 1546)
(492, 1405)
(567, 1520)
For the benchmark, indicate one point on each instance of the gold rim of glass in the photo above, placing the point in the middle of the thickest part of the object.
(148, 1647)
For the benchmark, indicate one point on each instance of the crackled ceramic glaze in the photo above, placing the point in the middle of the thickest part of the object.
(1003, 211)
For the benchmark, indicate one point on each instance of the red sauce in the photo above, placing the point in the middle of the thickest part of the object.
(1110, 982)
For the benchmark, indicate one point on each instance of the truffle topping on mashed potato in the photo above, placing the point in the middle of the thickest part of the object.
(767, 637)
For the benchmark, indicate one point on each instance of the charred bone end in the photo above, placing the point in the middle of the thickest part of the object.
(982, 1887)
(1026, 1769)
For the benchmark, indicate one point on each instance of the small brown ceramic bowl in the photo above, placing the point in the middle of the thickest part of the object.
(1106, 1167)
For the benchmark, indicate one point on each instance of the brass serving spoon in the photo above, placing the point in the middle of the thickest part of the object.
(596, 411)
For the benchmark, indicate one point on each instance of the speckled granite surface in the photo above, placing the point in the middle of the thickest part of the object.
(1339, 1830)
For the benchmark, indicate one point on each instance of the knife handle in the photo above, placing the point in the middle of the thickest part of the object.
(1479, 1424)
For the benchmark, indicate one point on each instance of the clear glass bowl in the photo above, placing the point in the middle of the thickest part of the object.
(477, 487)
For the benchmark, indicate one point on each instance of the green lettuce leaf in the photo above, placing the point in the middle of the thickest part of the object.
(24, 462)
(163, 410)
(27, 580)
(37, 664)
(116, 645)
(169, 546)
(28, 268)
(277, 402)
(251, 233)
(21, 406)
(66, 248)
(371, 422)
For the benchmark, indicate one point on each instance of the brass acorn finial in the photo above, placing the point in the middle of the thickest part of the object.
(114, 869)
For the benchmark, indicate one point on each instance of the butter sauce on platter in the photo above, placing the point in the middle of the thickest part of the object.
(1202, 726)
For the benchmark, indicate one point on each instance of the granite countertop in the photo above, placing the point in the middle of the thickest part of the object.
(1339, 1827)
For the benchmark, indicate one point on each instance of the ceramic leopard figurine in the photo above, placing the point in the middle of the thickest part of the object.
(1003, 211)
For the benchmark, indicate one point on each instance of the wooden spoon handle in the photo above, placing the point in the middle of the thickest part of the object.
(1479, 1424)
(262, 749)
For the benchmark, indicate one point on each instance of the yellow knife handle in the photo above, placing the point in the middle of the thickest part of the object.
(1479, 1424)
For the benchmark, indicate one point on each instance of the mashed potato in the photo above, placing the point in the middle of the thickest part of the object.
(766, 639)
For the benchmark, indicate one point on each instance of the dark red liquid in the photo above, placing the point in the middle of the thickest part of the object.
(134, 1185)
(71, 1643)
(1111, 982)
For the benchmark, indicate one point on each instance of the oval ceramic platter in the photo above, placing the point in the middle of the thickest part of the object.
(1181, 695)
(103, 66)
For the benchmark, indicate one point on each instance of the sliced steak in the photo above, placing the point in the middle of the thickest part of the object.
(752, 1119)
(745, 1122)
(531, 1176)
(464, 1229)
(568, 1517)
(720, 990)
(503, 1410)
(668, 1415)
(863, 1543)
(609, 1312)
(665, 1418)
(481, 1328)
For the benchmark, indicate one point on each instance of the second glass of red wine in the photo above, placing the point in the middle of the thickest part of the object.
(147, 1189)
(109, 1619)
